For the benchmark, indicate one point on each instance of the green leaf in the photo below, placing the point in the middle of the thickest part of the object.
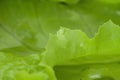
(24, 28)
(102, 72)
(111, 1)
(30, 22)
(68, 53)
(76, 48)
(88, 72)
(16, 67)
(20, 22)
(104, 45)
(67, 1)
(66, 42)
(72, 53)
(25, 76)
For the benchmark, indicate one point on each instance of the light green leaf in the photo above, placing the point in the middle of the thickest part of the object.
(20, 22)
(16, 67)
(66, 42)
(24, 28)
(76, 48)
(72, 53)
(30, 22)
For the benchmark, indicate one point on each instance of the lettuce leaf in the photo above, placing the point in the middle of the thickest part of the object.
(82, 49)
(111, 1)
(88, 72)
(67, 1)
(16, 67)
(20, 21)
(30, 22)
(68, 53)
(72, 53)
